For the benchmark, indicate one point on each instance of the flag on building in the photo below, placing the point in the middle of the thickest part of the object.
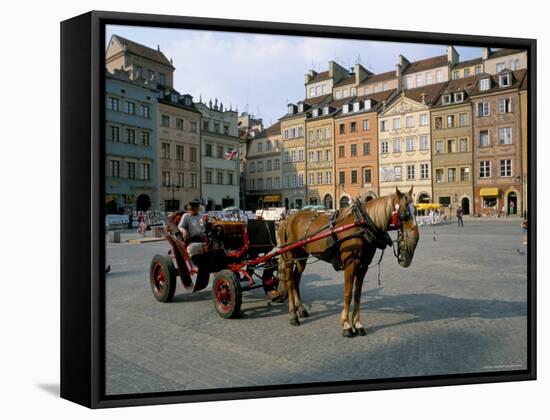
(231, 155)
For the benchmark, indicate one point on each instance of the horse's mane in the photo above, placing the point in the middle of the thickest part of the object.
(379, 210)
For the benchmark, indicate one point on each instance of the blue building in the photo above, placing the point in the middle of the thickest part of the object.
(131, 144)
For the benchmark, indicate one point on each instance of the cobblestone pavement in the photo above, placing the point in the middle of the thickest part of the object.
(459, 308)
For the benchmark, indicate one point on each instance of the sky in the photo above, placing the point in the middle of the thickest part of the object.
(261, 74)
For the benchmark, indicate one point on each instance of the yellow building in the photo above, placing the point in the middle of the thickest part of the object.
(404, 143)
(467, 68)
(524, 122)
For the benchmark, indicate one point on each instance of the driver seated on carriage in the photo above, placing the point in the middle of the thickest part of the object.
(191, 226)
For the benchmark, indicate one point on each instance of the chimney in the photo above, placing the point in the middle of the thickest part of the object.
(383, 105)
(485, 53)
(452, 55)
(309, 75)
(158, 47)
(423, 96)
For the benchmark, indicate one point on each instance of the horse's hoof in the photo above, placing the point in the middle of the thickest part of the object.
(303, 313)
(348, 333)
(294, 321)
(361, 331)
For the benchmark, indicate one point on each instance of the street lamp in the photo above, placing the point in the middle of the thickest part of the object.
(173, 188)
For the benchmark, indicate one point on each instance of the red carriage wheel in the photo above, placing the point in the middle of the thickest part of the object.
(227, 294)
(162, 276)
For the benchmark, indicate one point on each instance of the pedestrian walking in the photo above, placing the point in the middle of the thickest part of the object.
(142, 226)
(524, 230)
(503, 213)
(459, 214)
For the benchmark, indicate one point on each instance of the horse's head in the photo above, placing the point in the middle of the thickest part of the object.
(407, 230)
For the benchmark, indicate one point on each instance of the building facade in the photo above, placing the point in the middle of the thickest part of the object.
(452, 147)
(497, 143)
(131, 141)
(178, 151)
(356, 148)
(404, 143)
(264, 169)
(494, 61)
(139, 60)
(219, 156)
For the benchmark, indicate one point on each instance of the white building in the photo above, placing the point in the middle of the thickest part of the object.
(219, 137)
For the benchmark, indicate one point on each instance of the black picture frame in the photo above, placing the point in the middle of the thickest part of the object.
(82, 213)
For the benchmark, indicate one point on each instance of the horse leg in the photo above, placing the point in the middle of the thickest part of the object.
(349, 274)
(356, 316)
(287, 275)
(298, 270)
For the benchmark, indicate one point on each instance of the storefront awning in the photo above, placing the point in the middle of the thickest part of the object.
(272, 198)
(427, 206)
(488, 192)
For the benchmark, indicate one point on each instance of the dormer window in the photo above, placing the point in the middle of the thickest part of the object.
(356, 106)
(326, 110)
(446, 99)
(368, 104)
(345, 109)
(316, 112)
(291, 109)
(353, 91)
(459, 97)
(174, 97)
(504, 80)
(300, 107)
(485, 84)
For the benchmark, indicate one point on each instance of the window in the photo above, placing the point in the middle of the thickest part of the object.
(300, 155)
(311, 178)
(341, 177)
(276, 183)
(319, 177)
(315, 112)
(438, 122)
(438, 76)
(130, 107)
(165, 150)
(445, 201)
(419, 80)
(193, 153)
(114, 168)
(146, 138)
(230, 178)
(485, 169)
(354, 176)
(352, 91)
(179, 124)
(353, 127)
(209, 150)
(450, 121)
(366, 125)
(366, 148)
(439, 146)
(384, 125)
(145, 111)
(467, 72)
(206, 125)
(114, 133)
(345, 109)
(500, 67)
(423, 119)
(260, 184)
(219, 180)
(489, 202)
(409, 122)
(181, 179)
(459, 97)
(424, 171)
(300, 180)
(311, 92)
(353, 150)
(484, 138)
(429, 78)
(328, 177)
(368, 104)
(165, 178)
(112, 103)
(252, 167)
(165, 120)
(410, 144)
(463, 119)
(463, 145)
(451, 146)
(252, 184)
(162, 78)
(179, 152)
(269, 165)
(505, 135)
(483, 109)
(478, 70)
(216, 127)
(410, 172)
(145, 170)
(396, 145)
(504, 105)
(319, 134)
(327, 155)
(328, 132)
(367, 176)
(150, 74)
(384, 146)
(409, 82)
(342, 129)
(396, 123)
(286, 180)
(277, 164)
(193, 127)
(356, 106)
(504, 80)
(464, 174)
(319, 155)
(341, 151)
(456, 74)
(439, 175)
(446, 99)
(451, 174)
(268, 184)
(260, 166)
(424, 142)
(309, 135)
(345, 93)
(268, 146)
(338, 94)
(514, 64)
(311, 156)
(130, 136)
(317, 90)
(397, 173)
(485, 84)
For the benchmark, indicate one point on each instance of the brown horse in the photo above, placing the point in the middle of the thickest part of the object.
(351, 250)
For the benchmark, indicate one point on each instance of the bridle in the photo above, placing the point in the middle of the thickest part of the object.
(399, 217)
